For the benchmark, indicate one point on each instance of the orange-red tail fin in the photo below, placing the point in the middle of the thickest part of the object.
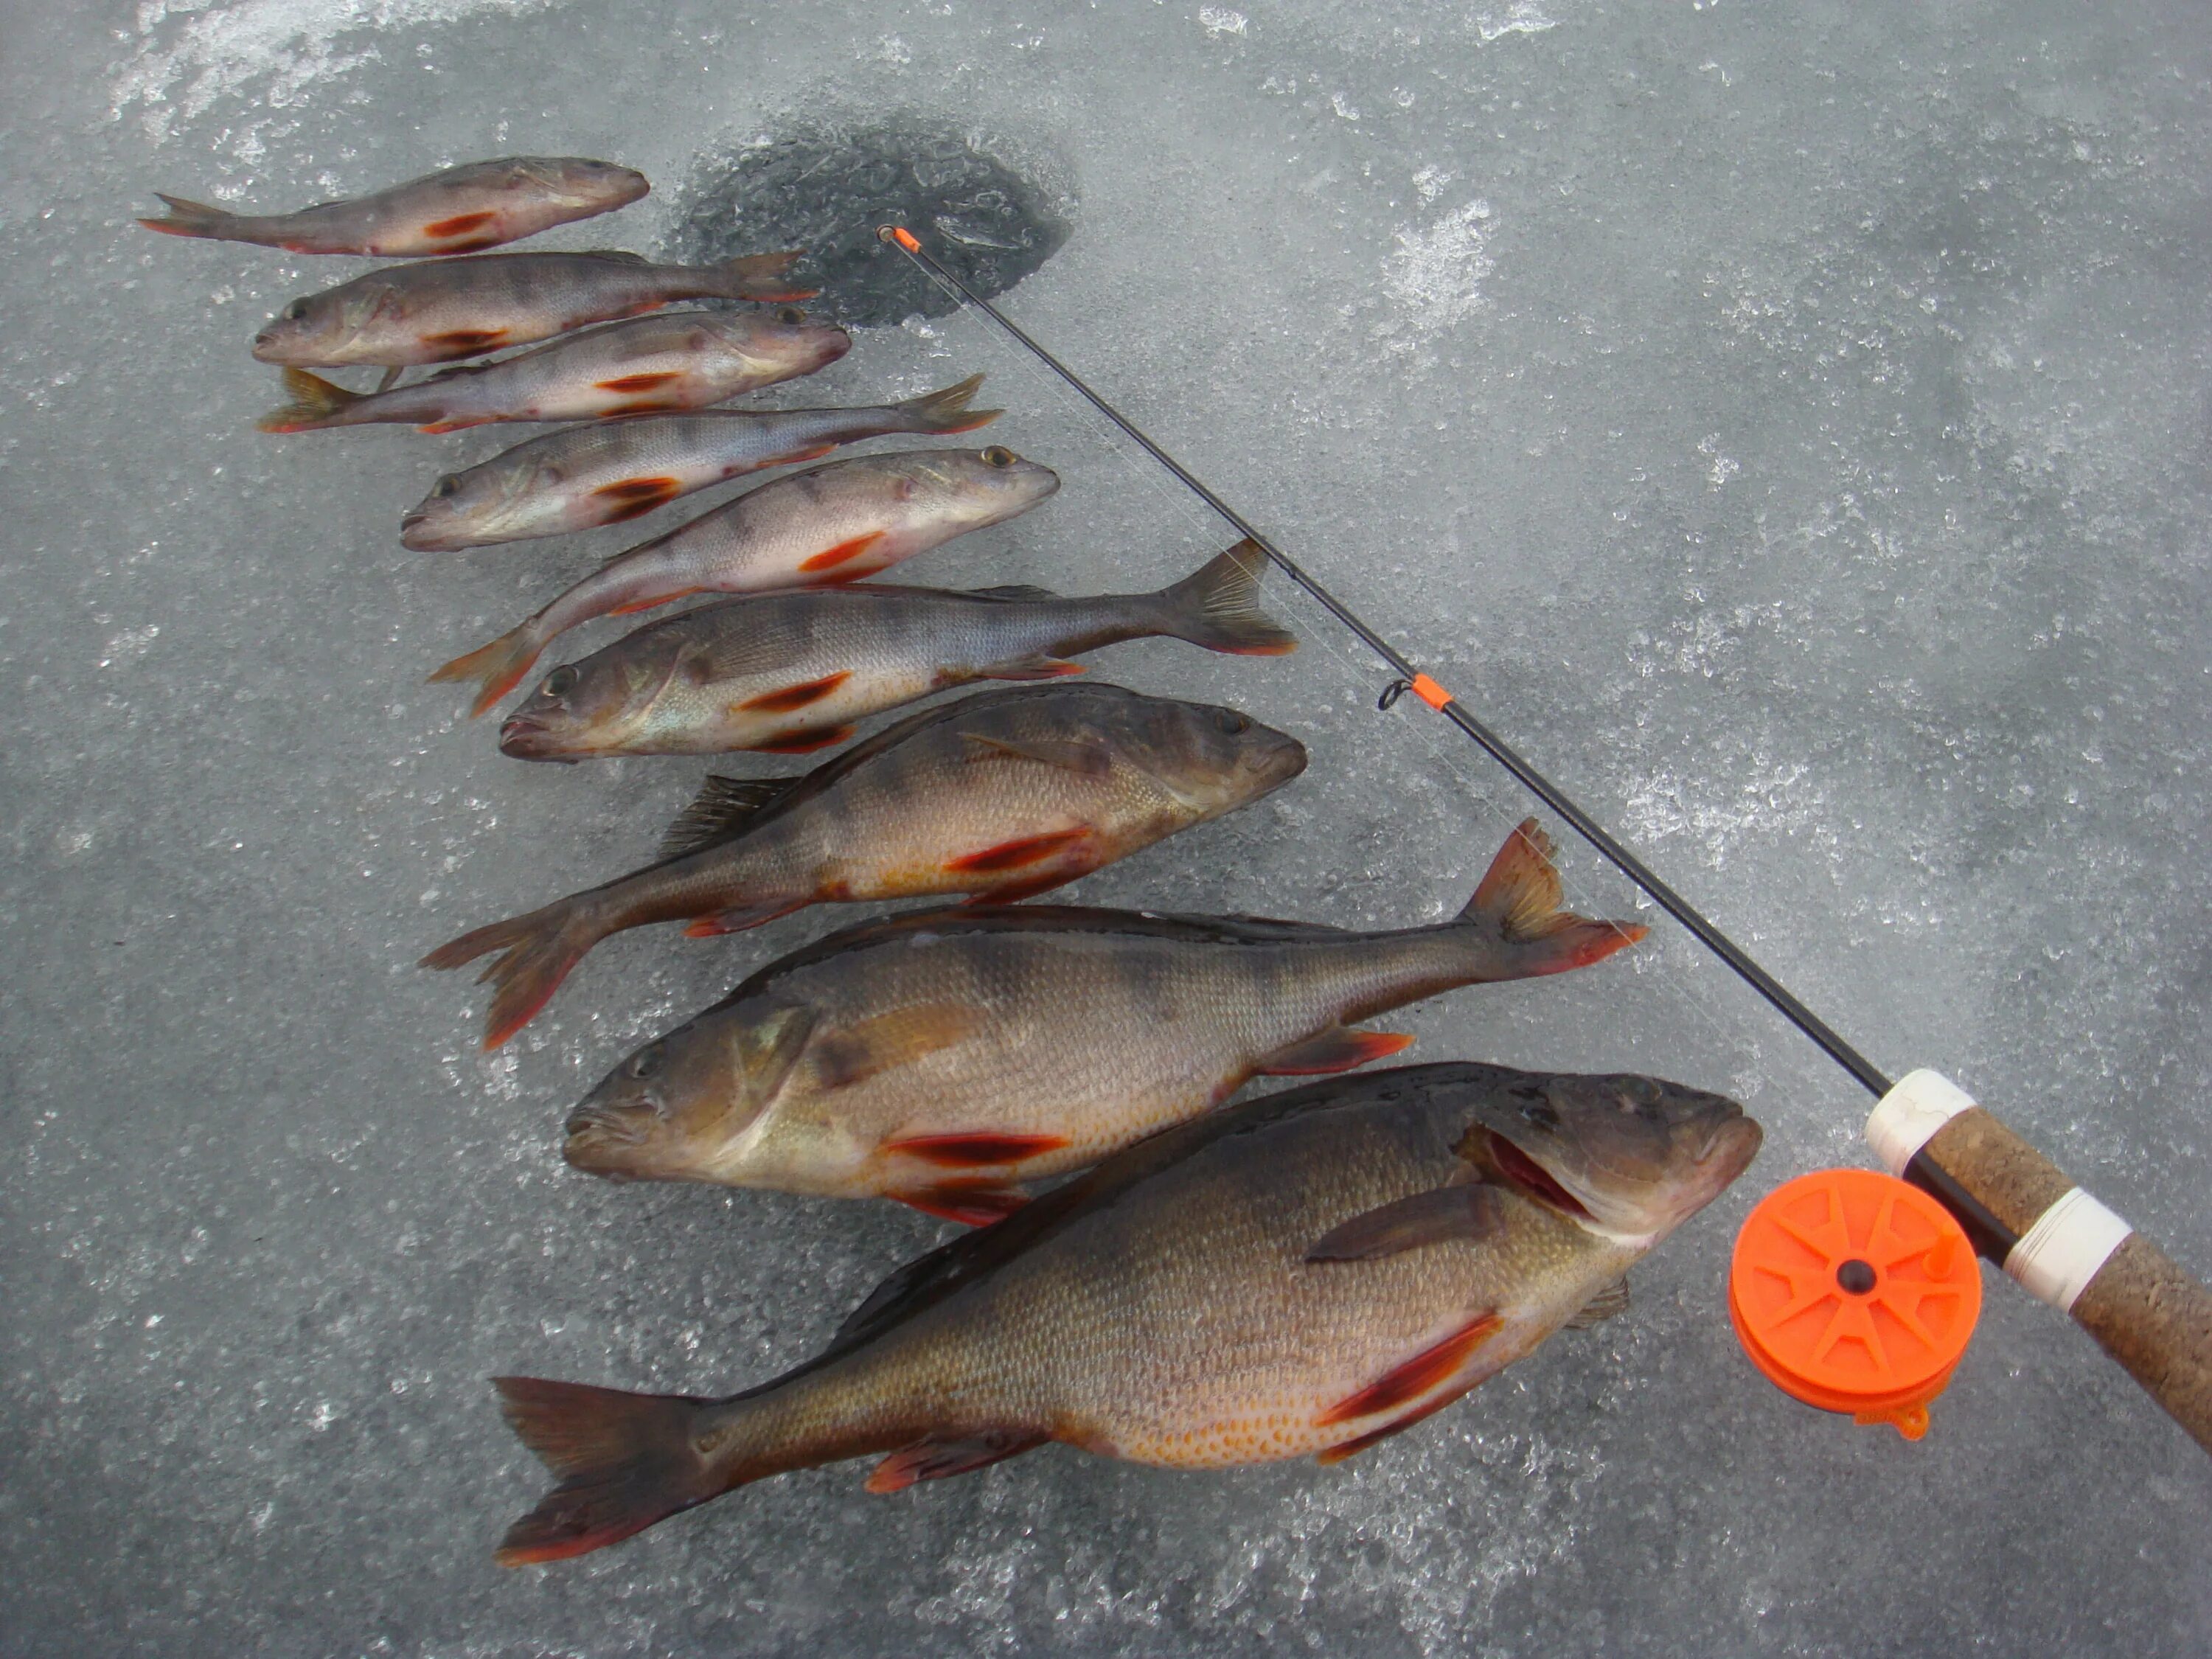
(496, 668)
(537, 952)
(1517, 905)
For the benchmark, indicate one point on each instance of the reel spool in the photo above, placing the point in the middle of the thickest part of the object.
(1856, 1293)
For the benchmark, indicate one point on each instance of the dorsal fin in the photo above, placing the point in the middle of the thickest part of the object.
(1012, 592)
(723, 807)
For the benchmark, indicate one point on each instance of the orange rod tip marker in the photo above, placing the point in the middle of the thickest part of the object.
(1430, 692)
(1856, 1292)
(905, 238)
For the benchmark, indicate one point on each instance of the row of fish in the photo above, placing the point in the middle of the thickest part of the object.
(1306, 1274)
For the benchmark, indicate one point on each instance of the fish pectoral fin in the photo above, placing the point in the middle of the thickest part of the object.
(971, 1203)
(1408, 1382)
(738, 917)
(933, 1457)
(1339, 1048)
(1471, 1211)
(1091, 760)
(896, 1038)
(390, 377)
(722, 808)
(981, 1148)
(1610, 1302)
(1035, 667)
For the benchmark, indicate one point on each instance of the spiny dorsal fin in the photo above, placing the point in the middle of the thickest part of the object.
(1610, 1302)
(723, 807)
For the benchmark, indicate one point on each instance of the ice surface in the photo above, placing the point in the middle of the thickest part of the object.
(1788, 424)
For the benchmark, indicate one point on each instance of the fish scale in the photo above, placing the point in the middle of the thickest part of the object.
(1168, 1308)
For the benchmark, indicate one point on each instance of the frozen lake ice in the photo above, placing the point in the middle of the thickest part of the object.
(1789, 425)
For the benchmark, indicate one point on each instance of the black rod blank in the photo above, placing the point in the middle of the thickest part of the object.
(1707, 933)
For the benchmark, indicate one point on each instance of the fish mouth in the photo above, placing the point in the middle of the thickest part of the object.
(418, 530)
(523, 737)
(603, 1140)
(1731, 1144)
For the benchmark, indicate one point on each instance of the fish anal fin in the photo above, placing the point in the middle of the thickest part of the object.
(1469, 1211)
(934, 1457)
(1610, 1302)
(1340, 1048)
(982, 1150)
(1412, 1378)
(1035, 668)
(1360, 1443)
(898, 1037)
(972, 1204)
(635, 605)
(1090, 759)
(738, 917)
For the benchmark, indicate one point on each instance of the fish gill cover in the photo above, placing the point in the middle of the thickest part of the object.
(826, 189)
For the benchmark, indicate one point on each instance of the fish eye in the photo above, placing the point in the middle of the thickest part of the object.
(791, 315)
(998, 456)
(560, 682)
(646, 1060)
(296, 311)
(1231, 723)
(446, 486)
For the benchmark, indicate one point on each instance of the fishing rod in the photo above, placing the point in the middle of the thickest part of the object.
(2012, 1204)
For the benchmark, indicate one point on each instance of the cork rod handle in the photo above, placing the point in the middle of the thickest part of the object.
(2063, 1247)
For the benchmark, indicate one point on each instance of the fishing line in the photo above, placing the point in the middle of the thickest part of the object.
(1409, 677)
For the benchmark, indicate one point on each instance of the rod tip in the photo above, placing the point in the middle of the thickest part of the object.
(898, 233)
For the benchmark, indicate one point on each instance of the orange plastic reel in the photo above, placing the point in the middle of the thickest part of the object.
(1856, 1292)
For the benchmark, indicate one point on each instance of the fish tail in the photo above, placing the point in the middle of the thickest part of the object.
(192, 219)
(624, 1460)
(1217, 606)
(760, 277)
(1517, 910)
(947, 411)
(316, 403)
(536, 952)
(496, 668)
